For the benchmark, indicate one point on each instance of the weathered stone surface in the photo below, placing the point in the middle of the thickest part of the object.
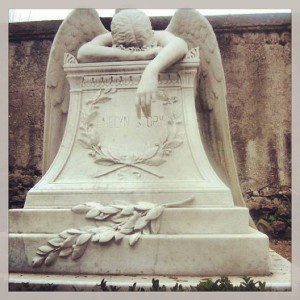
(258, 72)
(27, 61)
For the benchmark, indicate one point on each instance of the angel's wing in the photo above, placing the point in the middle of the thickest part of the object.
(81, 26)
(195, 29)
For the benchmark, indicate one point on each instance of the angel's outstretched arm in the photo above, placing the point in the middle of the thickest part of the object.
(173, 49)
(100, 49)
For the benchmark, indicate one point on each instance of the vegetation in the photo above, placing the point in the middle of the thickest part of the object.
(209, 285)
(270, 208)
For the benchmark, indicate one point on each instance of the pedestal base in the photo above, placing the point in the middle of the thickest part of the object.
(201, 247)
(190, 255)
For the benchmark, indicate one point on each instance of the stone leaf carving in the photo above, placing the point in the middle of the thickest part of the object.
(103, 155)
(130, 220)
(193, 53)
(70, 59)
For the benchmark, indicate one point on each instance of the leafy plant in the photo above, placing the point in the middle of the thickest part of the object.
(270, 208)
(133, 288)
(156, 287)
(224, 284)
(177, 288)
(26, 286)
(209, 285)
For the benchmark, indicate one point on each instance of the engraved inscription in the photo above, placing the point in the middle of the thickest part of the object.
(155, 137)
(123, 121)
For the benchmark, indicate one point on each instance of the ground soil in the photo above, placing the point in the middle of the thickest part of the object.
(282, 247)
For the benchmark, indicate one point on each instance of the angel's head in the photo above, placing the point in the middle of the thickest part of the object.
(132, 28)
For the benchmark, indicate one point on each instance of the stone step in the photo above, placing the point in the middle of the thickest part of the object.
(161, 254)
(278, 280)
(172, 220)
(158, 193)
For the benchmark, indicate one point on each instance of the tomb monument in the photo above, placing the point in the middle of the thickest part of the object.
(135, 182)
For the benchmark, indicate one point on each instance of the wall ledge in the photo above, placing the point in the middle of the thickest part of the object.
(40, 30)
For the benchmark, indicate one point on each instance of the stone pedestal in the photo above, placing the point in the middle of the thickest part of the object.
(159, 159)
(191, 242)
(107, 153)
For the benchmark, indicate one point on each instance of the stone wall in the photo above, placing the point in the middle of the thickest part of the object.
(256, 52)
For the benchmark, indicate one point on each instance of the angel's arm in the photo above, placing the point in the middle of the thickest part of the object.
(173, 49)
(100, 49)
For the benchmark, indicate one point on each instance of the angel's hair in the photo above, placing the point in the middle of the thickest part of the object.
(132, 28)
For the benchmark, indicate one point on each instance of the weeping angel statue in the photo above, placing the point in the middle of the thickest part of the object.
(131, 38)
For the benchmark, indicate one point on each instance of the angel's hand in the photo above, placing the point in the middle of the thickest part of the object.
(146, 92)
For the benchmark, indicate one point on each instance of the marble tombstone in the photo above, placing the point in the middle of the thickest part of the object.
(131, 185)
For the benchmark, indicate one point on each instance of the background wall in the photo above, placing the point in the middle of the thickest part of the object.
(256, 52)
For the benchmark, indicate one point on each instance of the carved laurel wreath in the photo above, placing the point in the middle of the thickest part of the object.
(153, 156)
(121, 219)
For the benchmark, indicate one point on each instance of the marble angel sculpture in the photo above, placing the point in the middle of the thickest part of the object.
(83, 35)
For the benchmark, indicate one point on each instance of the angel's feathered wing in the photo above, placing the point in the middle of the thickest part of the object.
(195, 29)
(81, 26)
